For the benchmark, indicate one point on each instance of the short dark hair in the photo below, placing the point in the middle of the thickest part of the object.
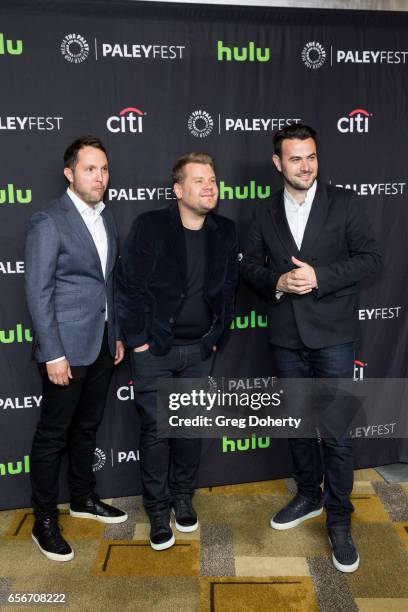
(177, 174)
(71, 154)
(295, 131)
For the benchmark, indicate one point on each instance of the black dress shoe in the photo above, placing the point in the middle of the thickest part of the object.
(186, 517)
(298, 510)
(345, 556)
(93, 508)
(46, 534)
(161, 533)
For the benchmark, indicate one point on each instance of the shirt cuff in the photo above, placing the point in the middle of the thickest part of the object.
(56, 360)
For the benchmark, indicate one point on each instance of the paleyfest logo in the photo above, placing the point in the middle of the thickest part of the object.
(313, 55)
(74, 48)
(200, 123)
(129, 119)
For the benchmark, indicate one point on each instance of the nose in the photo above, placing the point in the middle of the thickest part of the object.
(304, 165)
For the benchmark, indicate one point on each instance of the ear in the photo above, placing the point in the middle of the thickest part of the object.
(178, 190)
(276, 160)
(69, 175)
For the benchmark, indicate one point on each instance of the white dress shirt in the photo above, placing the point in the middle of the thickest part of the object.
(297, 215)
(91, 216)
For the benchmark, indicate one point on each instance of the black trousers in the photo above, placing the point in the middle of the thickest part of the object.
(69, 420)
(332, 460)
(168, 467)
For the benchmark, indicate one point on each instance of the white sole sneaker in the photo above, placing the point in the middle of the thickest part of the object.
(183, 528)
(110, 520)
(296, 522)
(346, 568)
(164, 545)
(54, 556)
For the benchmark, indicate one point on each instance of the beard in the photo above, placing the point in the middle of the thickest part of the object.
(299, 184)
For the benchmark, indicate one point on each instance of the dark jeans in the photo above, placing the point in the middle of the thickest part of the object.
(69, 420)
(333, 458)
(168, 467)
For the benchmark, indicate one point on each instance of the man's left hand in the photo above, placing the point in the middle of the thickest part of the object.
(120, 352)
(304, 272)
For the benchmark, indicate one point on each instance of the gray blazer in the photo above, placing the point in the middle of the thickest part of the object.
(65, 288)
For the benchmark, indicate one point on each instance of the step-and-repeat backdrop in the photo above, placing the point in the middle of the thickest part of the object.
(155, 82)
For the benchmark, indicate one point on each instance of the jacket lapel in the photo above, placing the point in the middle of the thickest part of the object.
(177, 242)
(212, 250)
(315, 221)
(281, 224)
(110, 235)
(78, 227)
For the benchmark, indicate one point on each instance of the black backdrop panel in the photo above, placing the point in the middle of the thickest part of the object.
(157, 81)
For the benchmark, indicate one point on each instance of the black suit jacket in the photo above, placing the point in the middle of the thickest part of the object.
(337, 243)
(151, 278)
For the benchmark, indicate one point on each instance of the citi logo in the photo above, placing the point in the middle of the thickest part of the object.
(11, 468)
(130, 119)
(356, 121)
(359, 370)
(252, 321)
(126, 393)
(19, 334)
(10, 47)
(242, 54)
(246, 192)
(12, 195)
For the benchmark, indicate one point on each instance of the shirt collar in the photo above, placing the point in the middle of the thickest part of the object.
(308, 199)
(83, 208)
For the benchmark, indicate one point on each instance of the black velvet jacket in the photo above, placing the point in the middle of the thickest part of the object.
(151, 278)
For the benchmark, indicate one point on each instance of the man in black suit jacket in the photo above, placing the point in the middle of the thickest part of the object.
(176, 284)
(306, 251)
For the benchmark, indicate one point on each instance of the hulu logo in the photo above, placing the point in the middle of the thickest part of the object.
(252, 321)
(244, 444)
(20, 334)
(8, 46)
(247, 192)
(18, 467)
(242, 54)
(12, 195)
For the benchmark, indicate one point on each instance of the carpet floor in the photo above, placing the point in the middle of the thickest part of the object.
(234, 562)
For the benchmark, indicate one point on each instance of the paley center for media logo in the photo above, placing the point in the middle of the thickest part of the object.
(128, 120)
(75, 49)
(11, 267)
(357, 121)
(200, 123)
(9, 46)
(314, 55)
(116, 457)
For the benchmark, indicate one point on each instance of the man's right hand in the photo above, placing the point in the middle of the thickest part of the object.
(59, 372)
(289, 283)
(140, 349)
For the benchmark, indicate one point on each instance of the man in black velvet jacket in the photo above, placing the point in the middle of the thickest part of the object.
(175, 297)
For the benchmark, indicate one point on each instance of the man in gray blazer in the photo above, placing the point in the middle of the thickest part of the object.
(71, 252)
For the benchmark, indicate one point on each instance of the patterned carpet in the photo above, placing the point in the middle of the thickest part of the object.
(234, 562)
